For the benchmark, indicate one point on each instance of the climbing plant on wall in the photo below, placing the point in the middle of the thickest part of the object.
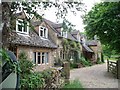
(71, 49)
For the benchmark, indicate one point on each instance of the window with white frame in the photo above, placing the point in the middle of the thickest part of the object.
(43, 32)
(22, 26)
(40, 58)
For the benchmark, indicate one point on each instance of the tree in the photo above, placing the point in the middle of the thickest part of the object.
(104, 21)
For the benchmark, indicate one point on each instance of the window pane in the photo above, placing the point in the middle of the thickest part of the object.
(38, 53)
(25, 27)
(41, 33)
(45, 32)
(34, 59)
(46, 58)
(41, 28)
(43, 57)
(20, 22)
(19, 27)
(39, 58)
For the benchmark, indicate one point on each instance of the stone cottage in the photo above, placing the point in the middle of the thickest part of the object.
(58, 35)
(91, 49)
(36, 43)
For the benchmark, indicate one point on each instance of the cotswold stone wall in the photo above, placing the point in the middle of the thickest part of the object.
(53, 78)
(59, 76)
(29, 52)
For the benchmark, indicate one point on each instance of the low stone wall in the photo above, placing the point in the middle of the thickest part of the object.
(56, 78)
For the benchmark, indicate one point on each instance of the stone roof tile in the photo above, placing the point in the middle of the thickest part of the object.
(32, 40)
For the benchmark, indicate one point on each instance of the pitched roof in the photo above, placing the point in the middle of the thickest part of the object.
(54, 25)
(32, 40)
(75, 32)
(36, 23)
(87, 48)
(69, 36)
(92, 43)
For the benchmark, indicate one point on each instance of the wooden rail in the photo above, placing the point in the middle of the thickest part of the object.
(113, 67)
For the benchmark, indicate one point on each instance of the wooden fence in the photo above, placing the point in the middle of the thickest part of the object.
(114, 67)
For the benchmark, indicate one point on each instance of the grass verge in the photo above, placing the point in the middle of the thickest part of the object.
(75, 84)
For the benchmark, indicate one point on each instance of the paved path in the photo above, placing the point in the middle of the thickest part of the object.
(94, 77)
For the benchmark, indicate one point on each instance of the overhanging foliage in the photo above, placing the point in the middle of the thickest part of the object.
(104, 21)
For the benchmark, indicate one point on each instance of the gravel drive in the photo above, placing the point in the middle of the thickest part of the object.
(94, 77)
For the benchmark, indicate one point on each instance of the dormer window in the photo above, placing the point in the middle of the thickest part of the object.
(22, 26)
(43, 32)
(64, 33)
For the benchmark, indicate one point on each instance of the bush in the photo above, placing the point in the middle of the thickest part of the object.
(28, 78)
(86, 62)
(25, 64)
(73, 65)
(32, 80)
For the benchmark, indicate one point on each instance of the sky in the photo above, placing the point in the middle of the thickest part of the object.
(75, 20)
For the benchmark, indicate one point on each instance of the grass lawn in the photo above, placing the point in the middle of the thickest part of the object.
(75, 84)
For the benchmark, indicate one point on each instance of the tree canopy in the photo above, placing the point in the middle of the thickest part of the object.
(104, 21)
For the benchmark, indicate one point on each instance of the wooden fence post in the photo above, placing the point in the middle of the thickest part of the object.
(107, 65)
(118, 69)
(67, 71)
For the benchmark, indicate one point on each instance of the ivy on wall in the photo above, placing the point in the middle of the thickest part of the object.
(71, 49)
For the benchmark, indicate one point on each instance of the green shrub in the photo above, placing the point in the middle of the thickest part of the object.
(86, 62)
(32, 80)
(25, 64)
(83, 62)
(28, 78)
(73, 65)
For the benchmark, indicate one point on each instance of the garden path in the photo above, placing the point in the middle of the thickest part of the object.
(94, 77)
